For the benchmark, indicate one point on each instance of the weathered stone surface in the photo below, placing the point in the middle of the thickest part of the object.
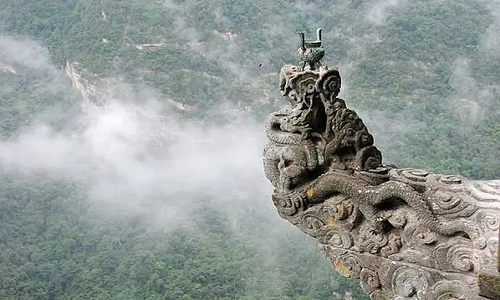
(403, 233)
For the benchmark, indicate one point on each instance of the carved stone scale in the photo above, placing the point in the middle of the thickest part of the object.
(403, 233)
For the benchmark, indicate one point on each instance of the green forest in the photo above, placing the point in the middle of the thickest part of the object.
(131, 135)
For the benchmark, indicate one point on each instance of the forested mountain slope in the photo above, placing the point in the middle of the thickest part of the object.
(131, 134)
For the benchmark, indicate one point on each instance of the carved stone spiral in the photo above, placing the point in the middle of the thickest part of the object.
(461, 258)
(415, 174)
(368, 158)
(451, 179)
(344, 214)
(446, 201)
(449, 290)
(451, 204)
(488, 221)
(455, 255)
(415, 178)
(304, 83)
(369, 280)
(311, 224)
(373, 242)
(337, 239)
(342, 210)
(418, 235)
(329, 84)
(392, 247)
(289, 205)
(409, 282)
(348, 265)
(485, 191)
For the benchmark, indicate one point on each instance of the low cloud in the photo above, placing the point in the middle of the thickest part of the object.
(135, 159)
(24, 53)
(380, 10)
(140, 156)
(490, 41)
(470, 99)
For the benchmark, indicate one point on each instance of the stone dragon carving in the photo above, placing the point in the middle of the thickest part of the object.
(403, 233)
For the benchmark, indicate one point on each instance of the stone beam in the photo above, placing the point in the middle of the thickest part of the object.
(403, 233)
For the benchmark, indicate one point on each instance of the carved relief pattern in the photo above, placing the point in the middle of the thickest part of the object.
(403, 233)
